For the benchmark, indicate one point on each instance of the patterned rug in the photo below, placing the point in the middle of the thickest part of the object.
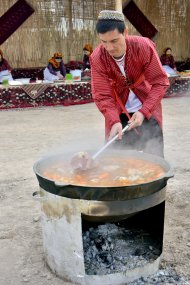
(35, 90)
(52, 95)
(179, 88)
(65, 94)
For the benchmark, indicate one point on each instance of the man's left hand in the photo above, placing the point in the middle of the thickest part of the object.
(136, 120)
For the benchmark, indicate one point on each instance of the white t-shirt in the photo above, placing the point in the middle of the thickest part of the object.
(133, 104)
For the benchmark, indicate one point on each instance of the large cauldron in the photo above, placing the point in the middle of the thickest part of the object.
(65, 209)
(104, 202)
(102, 193)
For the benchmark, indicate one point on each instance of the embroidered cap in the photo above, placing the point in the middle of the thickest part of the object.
(111, 15)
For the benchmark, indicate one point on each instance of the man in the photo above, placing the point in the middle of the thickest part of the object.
(128, 83)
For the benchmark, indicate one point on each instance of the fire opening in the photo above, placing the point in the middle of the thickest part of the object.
(114, 247)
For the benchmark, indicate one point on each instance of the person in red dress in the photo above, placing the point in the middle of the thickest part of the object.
(87, 51)
(128, 84)
(167, 58)
(168, 61)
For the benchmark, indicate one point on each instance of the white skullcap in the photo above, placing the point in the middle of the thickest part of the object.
(111, 15)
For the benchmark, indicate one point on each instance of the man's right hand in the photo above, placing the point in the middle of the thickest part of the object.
(116, 129)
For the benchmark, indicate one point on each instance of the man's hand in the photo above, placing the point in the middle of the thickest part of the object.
(116, 129)
(136, 120)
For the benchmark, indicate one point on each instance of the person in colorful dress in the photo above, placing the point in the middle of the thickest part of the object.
(128, 84)
(55, 69)
(5, 68)
(168, 61)
(87, 51)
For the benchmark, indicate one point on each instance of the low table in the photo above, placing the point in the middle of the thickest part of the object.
(179, 86)
(45, 94)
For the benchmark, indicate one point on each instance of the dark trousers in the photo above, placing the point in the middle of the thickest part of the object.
(149, 138)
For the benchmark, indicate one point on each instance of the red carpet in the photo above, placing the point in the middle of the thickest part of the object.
(179, 88)
(54, 95)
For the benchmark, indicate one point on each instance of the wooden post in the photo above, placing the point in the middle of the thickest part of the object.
(70, 35)
(118, 5)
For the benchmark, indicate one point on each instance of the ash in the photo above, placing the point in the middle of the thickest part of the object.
(111, 248)
(165, 276)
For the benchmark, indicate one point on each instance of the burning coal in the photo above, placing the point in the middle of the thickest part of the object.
(111, 248)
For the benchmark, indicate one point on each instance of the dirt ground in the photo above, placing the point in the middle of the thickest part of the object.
(27, 135)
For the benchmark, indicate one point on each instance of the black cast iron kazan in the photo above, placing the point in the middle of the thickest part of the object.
(121, 193)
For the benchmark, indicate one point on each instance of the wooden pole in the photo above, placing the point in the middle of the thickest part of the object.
(118, 5)
(70, 35)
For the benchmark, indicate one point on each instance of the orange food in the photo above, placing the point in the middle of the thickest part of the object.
(104, 175)
(108, 172)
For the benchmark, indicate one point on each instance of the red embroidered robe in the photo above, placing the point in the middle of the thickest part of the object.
(141, 58)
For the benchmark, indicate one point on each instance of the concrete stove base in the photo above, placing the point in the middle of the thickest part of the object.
(124, 277)
(63, 244)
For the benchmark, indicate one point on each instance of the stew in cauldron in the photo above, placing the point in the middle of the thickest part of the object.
(109, 172)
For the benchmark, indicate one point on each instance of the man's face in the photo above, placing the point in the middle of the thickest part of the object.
(114, 42)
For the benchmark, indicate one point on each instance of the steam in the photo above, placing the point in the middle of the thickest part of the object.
(149, 139)
(75, 142)
(154, 144)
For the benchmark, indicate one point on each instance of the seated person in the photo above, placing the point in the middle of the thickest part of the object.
(168, 62)
(87, 50)
(5, 69)
(55, 69)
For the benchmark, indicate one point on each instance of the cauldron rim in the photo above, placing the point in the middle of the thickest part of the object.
(106, 193)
